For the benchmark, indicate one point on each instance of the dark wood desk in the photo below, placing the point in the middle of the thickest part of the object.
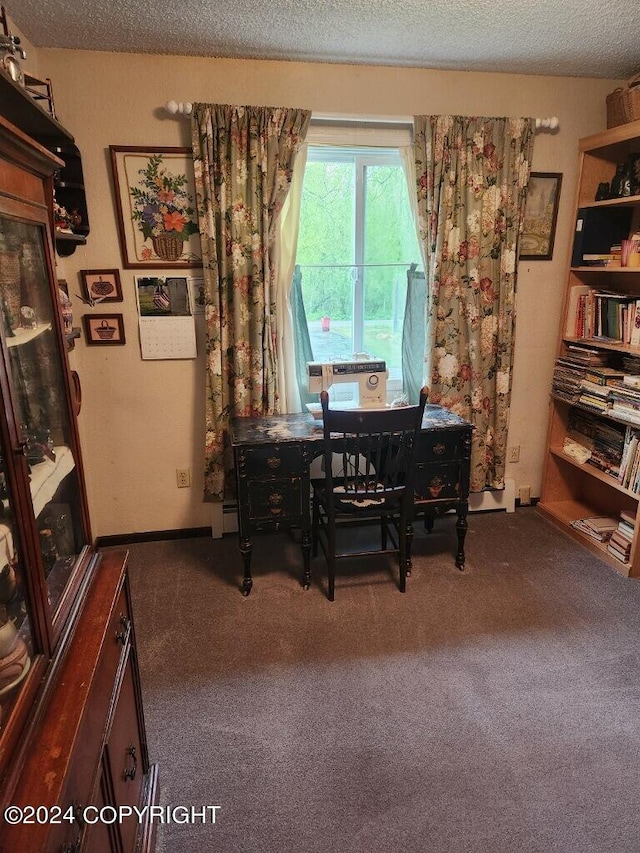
(272, 458)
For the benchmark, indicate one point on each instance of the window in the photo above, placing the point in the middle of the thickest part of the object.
(356, 242)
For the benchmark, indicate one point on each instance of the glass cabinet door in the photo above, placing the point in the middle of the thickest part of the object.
(16, 646)
(40, 404)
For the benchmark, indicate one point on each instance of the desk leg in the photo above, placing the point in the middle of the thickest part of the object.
(245, 550)
(461, 528)
(409, 544)
(306, 558)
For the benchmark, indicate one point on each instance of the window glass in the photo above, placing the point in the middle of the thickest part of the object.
(356, 243)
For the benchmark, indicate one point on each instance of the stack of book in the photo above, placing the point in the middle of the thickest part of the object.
(567, 376)
(631, 365)
(605, 440)
(586, 356)
(622, 537)
(594, 396)
(571, 368)
(625, 399)
(598, 527)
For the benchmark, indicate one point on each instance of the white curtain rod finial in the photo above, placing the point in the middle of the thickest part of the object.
(547, 123)
(178, 108)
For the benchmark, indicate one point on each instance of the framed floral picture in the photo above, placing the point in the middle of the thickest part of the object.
(540, 216)
(156, 208)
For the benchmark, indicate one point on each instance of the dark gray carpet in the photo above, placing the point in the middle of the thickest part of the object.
(490, 711)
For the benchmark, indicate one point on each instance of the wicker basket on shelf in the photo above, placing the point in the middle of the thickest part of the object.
(623, 104)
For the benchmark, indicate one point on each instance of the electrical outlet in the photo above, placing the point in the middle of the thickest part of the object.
(514, 453)
(183, 477)
(524, 493)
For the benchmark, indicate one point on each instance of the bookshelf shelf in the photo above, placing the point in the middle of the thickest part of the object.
(610, 269)
(599, 315)
(594, 472)
(628, 201)
(563, 513)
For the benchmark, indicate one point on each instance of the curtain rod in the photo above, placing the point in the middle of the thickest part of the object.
(400, 122)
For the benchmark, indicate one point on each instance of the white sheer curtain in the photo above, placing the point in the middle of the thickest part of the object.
(285, 248)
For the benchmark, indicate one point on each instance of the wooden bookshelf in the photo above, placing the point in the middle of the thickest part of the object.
(572, 489)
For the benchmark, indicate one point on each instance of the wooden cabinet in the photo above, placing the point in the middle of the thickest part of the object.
(89, 749)
(596, 330)
(71, 721)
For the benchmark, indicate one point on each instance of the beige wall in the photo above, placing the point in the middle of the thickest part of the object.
(141, 420)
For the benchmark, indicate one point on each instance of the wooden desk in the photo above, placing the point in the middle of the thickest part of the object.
(272, 458)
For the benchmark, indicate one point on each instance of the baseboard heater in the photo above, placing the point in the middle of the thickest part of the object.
(489, 499)
(494, 499)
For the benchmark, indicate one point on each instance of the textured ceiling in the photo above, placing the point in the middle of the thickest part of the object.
(590, 38)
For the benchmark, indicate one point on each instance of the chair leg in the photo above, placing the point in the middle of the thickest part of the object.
(315, 521)
(402, 552)
(331, 558)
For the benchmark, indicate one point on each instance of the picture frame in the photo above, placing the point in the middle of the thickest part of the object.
(156, 207)
(163, 296)
(101, 286)
(540, 216)
(104, 329)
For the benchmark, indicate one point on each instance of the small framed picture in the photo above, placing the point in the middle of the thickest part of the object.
(101, 286)
(104, 329)
(540, 216)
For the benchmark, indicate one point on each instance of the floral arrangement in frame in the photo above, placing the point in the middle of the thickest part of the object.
(103, 329)
(540, 216)
(101, 286)
(155, 199)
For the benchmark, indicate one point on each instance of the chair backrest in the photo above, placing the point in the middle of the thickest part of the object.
(375, 448)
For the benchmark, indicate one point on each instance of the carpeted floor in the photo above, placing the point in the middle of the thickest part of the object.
(490, 711)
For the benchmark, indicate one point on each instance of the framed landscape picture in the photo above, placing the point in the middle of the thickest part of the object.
(156, 208)
(540, 216)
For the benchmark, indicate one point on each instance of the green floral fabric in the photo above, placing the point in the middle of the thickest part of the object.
(243, 162)
(472, 175)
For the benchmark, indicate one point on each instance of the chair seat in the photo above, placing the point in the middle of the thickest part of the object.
(361, 496)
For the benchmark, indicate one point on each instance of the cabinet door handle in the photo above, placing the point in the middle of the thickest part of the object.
(130, 772)
(121, 636)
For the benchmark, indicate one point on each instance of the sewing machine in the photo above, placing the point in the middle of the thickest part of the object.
(369, 374)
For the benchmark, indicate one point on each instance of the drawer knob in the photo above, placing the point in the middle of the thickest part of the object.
(121, 636)
(274, 462)
(275, 499)
(130, 772)
(439, 449)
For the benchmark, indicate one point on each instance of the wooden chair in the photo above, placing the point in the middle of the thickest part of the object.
(375, 449)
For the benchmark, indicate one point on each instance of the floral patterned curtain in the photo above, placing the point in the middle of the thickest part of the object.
(243, 161)
(472, 175)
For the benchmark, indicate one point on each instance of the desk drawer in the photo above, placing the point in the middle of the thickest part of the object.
(440, 447)
(276, 500)
(437, 482)
(274, 461)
